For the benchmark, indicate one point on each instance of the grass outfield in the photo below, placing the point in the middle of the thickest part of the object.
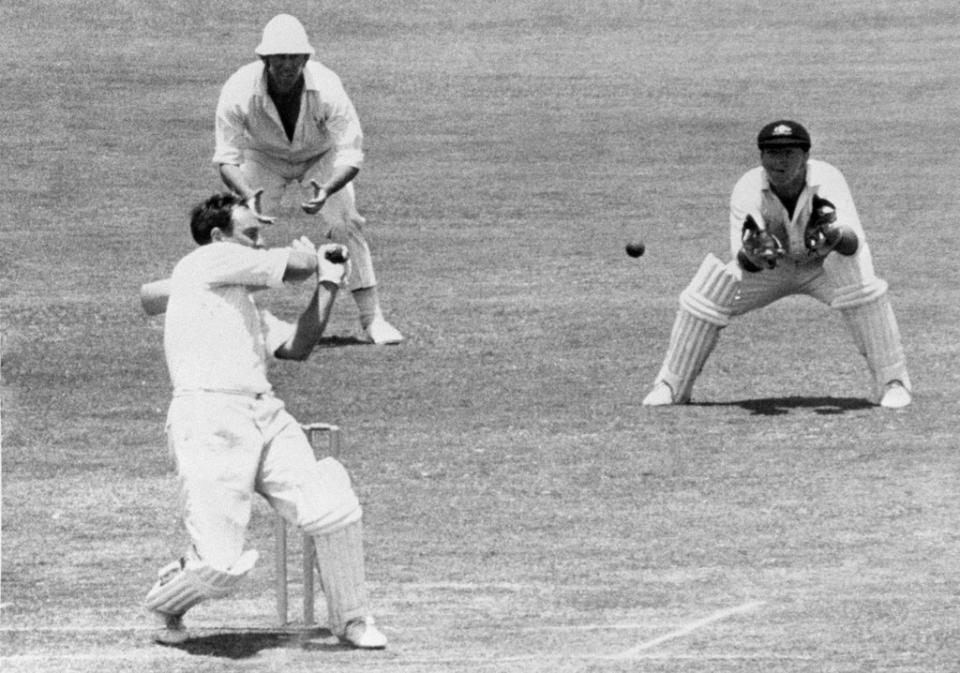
(523, 511)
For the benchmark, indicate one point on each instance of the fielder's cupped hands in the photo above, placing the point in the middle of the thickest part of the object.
(320, 195)
(333, 264)
(253, 203)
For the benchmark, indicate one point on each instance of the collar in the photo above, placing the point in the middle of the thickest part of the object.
(813, 177)
(309, 79)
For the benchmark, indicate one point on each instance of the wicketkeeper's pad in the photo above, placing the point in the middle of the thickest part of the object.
(869, 316)
(186, 582)
(705, 309)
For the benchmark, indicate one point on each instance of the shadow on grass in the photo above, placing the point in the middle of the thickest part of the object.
(778, 406)
(246, 644)
(338, 341)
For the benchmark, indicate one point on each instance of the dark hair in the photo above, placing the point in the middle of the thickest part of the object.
(214, 212)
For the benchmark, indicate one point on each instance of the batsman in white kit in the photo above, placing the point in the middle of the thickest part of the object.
(794, 230)
(284, 120)
(232, 438)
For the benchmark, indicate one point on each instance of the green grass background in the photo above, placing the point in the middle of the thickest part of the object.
(512, 482)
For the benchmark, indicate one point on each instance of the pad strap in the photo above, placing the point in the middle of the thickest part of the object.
(853, 296)
(711, 292)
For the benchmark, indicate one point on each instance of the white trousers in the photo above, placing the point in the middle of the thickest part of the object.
(229, 447)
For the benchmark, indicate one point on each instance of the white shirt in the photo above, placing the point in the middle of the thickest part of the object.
(247, 120)
(215, 337)
(752, 195)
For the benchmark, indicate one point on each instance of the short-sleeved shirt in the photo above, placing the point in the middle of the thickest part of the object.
(753, 195)
(247, 122)
(215, 337)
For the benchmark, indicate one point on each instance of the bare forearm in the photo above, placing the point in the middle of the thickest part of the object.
(340, 178)
(233, 178)
(310, 325)
(301, 265)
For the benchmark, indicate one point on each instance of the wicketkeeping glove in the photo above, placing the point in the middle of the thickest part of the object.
(760, 247)
(821, 234)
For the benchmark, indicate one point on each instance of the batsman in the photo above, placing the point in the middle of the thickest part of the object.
(794, 230)
(232, 437)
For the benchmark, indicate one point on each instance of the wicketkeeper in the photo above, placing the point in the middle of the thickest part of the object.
(286, 119)
(232, 438)
(794, 229)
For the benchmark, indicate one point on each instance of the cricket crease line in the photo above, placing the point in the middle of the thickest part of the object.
(720, 615)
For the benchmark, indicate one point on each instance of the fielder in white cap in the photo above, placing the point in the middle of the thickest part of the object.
(794, 230)
(232, 437)
(287, 119)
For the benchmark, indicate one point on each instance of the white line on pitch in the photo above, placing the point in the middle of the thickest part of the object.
(689, 628)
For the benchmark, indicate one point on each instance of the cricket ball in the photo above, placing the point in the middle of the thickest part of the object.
(636, 248)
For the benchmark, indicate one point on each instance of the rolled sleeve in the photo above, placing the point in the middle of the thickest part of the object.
(228, 134)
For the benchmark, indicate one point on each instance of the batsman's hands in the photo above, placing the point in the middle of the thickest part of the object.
(320, 196)
(760, 248)
(822, 233)
(253, 203)
(304, 244)
(333, 264)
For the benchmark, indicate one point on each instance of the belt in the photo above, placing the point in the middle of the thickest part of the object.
(222, 391)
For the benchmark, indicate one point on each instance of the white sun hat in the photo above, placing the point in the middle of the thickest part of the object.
(284, 34)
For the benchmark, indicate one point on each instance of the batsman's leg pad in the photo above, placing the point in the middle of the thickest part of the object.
(340, 564)
(704, 311)
(186, 582)
(332, 503)
(876, 334)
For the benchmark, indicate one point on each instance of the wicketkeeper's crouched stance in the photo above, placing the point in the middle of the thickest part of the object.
(794, 229)
(232, 437)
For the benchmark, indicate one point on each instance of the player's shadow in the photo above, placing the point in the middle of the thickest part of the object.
(241, 644)
(824, 406)
(338, 341)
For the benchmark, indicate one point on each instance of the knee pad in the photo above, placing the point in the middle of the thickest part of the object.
(711, 292)
(332, 504)
(186, 582)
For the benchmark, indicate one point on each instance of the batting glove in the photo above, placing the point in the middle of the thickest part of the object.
(760, 247)
(304, 244)
(333, 264)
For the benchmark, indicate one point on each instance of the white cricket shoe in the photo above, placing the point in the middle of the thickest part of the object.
(383, 333)
(171, 631)
(363, 634)
(660, 396)
(896, 396)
